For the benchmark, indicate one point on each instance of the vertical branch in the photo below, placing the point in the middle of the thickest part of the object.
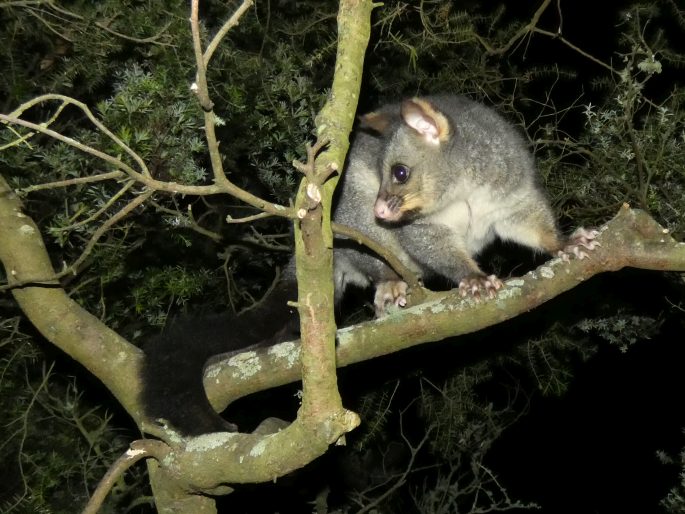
(313, 236)
(202, 91)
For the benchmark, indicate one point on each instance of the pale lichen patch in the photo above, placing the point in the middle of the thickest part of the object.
(515, 282)
(246, 364)
(213, 371)
(288, 351)
(206, 442)
(130, 453)
(344, 335)
(261, 446)
(546, 272)
(27, 230)
(509, 292)
(436, 307)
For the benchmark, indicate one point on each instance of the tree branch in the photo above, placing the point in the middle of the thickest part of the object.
(61, 320)
(202, 91)
(396, 264)
(138, 450)
(631, 239)
(313, 204)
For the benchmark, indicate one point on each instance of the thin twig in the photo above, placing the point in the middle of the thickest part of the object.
(157, 185)
(73, 181)
(526, 29)
(403, 271)
(201, 90)
(14, 117)
(144, 40)
(73, 267)
(232, 22)
(138, 450)
(112, 200)
(247, 219)
(575, 48)
(125, 211)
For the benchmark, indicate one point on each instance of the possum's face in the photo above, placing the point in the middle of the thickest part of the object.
(412, 164)
(407, 190)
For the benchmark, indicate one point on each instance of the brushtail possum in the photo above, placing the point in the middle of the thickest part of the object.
(437, 179)
(434, 180)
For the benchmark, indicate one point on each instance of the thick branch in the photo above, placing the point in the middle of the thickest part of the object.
(237, 458)
(631, 239)
(61, 320)
(313, 235)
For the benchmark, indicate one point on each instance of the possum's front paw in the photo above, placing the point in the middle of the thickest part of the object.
(390, 292)
(582, 239)
(480, 285)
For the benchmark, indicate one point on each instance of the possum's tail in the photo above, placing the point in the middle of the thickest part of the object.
(175, 360)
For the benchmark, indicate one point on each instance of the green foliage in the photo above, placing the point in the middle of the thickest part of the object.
(158, 290)
(374, 408)
(674, 503)
(637, 149)
(132, 63)
(632, 147)
(550, 359)
(621, 330)
(463, 425)
(55, 444)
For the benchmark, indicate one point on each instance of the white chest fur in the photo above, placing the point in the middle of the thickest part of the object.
(471, 220)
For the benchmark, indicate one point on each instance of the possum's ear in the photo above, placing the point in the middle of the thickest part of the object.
(426, 120)
(375, 121)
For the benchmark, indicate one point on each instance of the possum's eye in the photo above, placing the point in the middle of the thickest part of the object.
(400, 173)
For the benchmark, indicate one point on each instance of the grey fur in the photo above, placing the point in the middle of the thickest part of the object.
(472, 178)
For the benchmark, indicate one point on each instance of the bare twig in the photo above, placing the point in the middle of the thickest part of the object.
(403, 271)
(23, 3)
(111, 201)
(247, 219)
(192, 224)
(230, 23)
(308, 169)
(72, 182)
(201, 90)
(401, 480)
(14, 117)
(143, 40)
(522, 32)
(138, 450)
(144, 177)
(73, 267)
(565, 41)
(53, 8)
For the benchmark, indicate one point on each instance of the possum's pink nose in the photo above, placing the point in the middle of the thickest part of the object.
(381, 209)
(384, 210)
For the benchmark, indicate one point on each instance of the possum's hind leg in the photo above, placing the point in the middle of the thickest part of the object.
(580, 240)
(390, 292)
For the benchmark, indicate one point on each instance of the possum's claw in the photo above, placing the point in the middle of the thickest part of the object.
(390, 292)
(480, 285)
(582, 239)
